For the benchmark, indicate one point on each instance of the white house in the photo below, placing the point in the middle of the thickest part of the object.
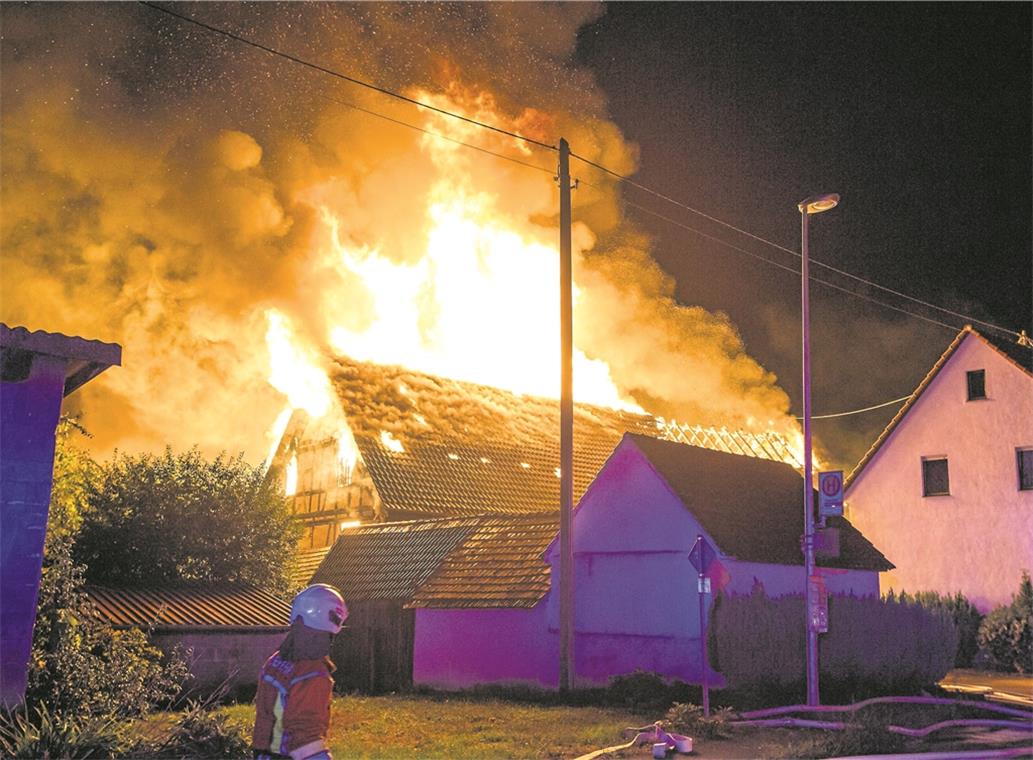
(946, 491)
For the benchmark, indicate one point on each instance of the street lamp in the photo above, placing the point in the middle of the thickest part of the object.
(813, 205)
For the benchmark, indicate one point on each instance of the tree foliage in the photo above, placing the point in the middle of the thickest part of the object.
(179, 518)
(1007, 632)
(965, 615)
(74, 471)
(80, 665)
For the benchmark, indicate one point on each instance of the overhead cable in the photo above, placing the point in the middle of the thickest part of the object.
(639, 186)
(440, 136)
(796, 272)
(627, 180)
(345, 77)
(859, 411)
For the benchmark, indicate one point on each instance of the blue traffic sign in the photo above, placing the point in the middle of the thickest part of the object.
(830, 493)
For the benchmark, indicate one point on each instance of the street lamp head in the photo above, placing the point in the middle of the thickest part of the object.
(818, 203)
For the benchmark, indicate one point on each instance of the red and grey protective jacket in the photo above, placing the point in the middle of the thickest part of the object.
(292, 707)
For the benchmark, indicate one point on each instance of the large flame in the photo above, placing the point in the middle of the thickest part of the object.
(475, 297)
(480, 302)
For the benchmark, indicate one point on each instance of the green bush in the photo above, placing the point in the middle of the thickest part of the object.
(1007, 632)
(201, 731)
(43, 733)
(965, 615)
(644, 691)
(687, 718)
(873, 646)
(181, 518)
(80, 665)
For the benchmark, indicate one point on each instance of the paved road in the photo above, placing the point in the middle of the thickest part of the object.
(1011, 687)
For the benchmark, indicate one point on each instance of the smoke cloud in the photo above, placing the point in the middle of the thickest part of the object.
(163, 187)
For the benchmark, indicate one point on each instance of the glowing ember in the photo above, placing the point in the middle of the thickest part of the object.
(391, 443)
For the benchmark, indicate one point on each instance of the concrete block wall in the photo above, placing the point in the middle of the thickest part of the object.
(214, 658)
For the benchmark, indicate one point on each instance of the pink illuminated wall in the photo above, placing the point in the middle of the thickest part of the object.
(636, 607)
(457, 648)
(979, 538)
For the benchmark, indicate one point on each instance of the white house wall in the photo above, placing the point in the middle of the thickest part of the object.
(978, 539)
(636, 597)
(636, 600)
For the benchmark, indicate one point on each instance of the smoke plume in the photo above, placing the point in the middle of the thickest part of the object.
(165, 188)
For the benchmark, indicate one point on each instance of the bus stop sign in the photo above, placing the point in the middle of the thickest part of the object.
(830, 493)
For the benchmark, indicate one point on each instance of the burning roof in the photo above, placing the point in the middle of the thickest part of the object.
(440, 447)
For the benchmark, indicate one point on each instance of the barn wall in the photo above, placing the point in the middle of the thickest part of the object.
(637, 600)
(329, 493)
(458, 648)
(374, 652)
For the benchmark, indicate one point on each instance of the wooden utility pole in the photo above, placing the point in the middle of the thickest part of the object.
(566, 430)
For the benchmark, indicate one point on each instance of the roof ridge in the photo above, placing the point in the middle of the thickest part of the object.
(917, 393)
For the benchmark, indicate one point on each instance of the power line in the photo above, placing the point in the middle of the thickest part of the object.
(796, 272)
(441, 136)
(345, 77)
(376, 88)
(632, 183)
(859, 411)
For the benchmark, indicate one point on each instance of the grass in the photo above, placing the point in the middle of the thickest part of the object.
(475, 726)
(432, 727)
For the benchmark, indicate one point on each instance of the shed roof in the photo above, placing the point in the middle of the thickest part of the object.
(1019, 354)
(86, 358)
(436, 446)
(390, 560)
(751, 507)
(305, 564)
(485, 561)
(500, 564)
(191, 608)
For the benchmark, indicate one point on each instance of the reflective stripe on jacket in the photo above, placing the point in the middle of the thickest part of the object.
(292, 706)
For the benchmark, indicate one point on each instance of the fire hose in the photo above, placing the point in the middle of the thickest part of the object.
(663, 741)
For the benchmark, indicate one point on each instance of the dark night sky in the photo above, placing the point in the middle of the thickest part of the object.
(918, 114)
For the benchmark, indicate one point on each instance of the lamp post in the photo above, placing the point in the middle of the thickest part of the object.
(813, 205)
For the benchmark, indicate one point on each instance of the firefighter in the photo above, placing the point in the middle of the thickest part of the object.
(292, 706)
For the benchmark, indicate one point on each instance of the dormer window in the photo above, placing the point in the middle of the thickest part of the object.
(976, 384)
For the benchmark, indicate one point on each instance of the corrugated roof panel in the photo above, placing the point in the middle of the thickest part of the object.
(190, 607)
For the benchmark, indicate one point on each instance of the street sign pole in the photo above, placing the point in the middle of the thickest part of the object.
(701, 556)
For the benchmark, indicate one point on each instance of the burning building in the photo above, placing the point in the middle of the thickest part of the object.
(408, 445)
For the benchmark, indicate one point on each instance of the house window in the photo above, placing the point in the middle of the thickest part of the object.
(1025, 461)
(976, 384)
(935, 481)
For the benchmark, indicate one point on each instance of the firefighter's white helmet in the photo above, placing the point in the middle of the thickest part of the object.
(320, 606)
